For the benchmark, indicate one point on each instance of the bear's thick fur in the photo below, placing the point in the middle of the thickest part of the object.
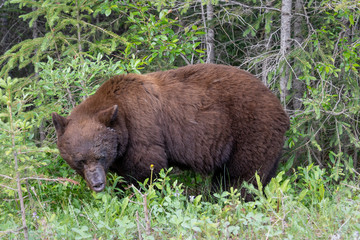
(206, 117)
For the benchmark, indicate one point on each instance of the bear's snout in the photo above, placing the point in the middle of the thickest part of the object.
(95, 177)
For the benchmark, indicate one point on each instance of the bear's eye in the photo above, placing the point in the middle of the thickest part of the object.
(101, 157)
(81, 162)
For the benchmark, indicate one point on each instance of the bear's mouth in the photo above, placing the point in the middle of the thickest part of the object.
(98, 186)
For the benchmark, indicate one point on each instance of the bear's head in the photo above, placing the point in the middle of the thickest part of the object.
(88, 144)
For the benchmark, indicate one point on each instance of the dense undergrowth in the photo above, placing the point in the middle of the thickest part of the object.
(306, 205)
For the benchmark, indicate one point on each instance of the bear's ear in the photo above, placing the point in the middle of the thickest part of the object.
(60, 123)
(107, 116)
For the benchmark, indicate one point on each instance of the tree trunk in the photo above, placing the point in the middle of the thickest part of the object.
(285, 44)
(298, 86)
(3, 29)
(209, 36)
(78, 28)
(267, 42)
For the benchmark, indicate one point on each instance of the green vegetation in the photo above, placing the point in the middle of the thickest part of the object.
(313, 208)
(61, 51)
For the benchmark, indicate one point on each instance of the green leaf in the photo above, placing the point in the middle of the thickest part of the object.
(108, 12)
(322, 191)
(267, 27)
(258, 181)
(162, 14)
(302, 194)
(124, 204)
(246, 32)
(197, 200)
(351, 20)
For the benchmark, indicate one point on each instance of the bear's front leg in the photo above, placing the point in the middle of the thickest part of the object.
(140, 161)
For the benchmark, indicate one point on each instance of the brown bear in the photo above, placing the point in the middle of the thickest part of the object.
(209, 118)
